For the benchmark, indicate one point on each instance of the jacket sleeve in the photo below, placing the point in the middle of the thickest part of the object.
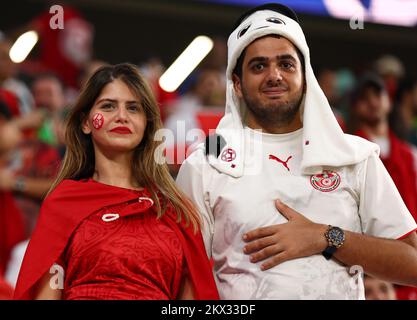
(192, 180)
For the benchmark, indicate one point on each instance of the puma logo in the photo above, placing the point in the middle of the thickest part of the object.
(284, 163)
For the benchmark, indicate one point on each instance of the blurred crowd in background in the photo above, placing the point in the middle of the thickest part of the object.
(379, 104)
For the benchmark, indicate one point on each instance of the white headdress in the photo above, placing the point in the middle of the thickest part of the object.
(324, 142)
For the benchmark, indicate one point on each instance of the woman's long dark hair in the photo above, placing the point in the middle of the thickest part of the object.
(79, 159)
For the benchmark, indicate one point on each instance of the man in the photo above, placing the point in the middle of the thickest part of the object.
(370, 111)
(406, 106)
(49, 95)
(376, 289)
(371, 108)
(265, 249)
(31, 166)
(202, 101)
(10, 83)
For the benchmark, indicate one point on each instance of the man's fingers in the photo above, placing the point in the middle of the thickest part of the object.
(286, 211)
(259, 233)
(265, 253)
(259, 244)
(275, 260)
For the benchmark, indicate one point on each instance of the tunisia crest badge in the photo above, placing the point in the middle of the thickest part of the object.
(326, 181)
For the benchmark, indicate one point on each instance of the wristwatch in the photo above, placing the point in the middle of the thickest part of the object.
(335, 237)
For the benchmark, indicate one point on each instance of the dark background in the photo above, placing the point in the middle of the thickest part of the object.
(134, 30)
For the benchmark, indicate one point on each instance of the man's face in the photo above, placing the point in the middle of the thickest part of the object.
(327, 81)
(376, 289)
(372, 107)
(210, 88)
(272, 83)
(48, 93)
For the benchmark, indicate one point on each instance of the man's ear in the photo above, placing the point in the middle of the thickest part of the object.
(237, 85)
(85, 125)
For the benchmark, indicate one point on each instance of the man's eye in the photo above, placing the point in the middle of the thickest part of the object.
(259, 67)
(287, 65)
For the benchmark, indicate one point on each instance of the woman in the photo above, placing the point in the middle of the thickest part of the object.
(115, 224)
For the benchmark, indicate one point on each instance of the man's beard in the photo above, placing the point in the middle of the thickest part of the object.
(276, 113)
(371, 120)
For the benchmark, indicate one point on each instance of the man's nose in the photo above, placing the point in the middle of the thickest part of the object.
(274, 74)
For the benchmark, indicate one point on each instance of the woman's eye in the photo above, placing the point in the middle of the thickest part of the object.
(133, 108)
(107, 106)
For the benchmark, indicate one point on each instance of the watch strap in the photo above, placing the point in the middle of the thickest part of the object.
(328, 252)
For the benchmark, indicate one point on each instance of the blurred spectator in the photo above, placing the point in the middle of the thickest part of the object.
(204, 101)
(207, 94)
(327, 79)
(370, 109)
(10, 135)
(16, 101)
(152, 70)
(404, 117)
(89, 69)
(27, 169)
(217, 58)
(391, 69)
(11, 228)
(9, 82)
(11, 219)
(376, 289)
(48, 92)
(65, 51)
(29, 176)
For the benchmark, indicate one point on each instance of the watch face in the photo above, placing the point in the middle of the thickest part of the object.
(337, 236)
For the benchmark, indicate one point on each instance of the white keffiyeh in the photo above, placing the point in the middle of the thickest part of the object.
(324, 143)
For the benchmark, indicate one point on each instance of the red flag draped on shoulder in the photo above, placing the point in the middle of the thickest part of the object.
(73, 201)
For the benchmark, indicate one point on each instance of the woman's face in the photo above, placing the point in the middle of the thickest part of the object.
(116, 121)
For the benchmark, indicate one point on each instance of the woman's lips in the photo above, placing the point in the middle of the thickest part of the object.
(121, 130)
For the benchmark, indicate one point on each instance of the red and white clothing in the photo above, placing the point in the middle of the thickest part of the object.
(350, 198)
(64, 51)
(400, 163)
(33, 159)
(134, 257)
(6, 291)
(111, 246)
(329, 177)
(12, 229)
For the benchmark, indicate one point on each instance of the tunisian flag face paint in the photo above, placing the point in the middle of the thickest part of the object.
(98, 121)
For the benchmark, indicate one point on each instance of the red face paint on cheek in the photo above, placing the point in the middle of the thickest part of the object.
(98, 121)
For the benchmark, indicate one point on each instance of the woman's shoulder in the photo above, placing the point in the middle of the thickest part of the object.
(63, 194)
(67, 185)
